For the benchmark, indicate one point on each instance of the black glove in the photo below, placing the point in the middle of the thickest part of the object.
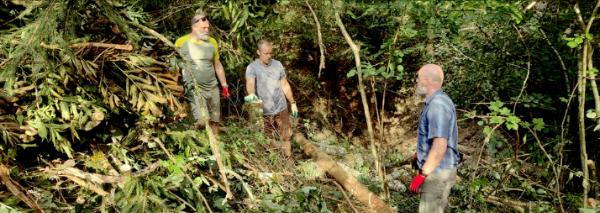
(414, 163)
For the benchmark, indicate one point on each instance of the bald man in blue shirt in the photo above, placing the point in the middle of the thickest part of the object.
(437, 142)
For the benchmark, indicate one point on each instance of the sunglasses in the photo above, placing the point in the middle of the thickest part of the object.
(196, 20)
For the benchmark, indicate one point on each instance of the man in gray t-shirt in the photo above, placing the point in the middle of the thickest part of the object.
(266, 78)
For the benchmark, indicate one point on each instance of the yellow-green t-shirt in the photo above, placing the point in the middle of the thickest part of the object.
(199, 56)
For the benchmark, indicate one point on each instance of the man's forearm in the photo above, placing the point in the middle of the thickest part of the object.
(220, 73)
(250, 82)
(436, 154)
(287, 91)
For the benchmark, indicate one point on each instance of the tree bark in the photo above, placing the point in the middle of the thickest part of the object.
(350, 183)
(361, 89)
(583, 71)
(581, 116)
(320, 37)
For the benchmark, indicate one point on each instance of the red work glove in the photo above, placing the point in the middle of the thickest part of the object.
(417, 182)
(226, 92)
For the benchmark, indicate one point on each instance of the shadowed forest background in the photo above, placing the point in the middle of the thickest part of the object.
(93, 117)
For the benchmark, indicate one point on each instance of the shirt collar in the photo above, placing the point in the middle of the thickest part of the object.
(264, 65)
(436, 93)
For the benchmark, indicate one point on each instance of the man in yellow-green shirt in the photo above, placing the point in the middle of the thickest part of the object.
(201, 70)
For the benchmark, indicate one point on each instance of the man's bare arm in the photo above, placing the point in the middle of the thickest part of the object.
(287, 90)
(436, 154)
(220, 71)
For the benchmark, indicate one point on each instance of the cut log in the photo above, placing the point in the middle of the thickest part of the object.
(362, 193)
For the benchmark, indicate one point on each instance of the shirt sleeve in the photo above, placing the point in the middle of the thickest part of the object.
(282, 74)
(250, 73)
(216, 45)
(181, 40)
(439, 117)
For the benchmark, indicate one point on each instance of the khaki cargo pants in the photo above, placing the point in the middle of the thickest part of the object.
(435, 191)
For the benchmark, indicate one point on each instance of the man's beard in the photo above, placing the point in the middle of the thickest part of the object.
(421, 91)
(201, 36)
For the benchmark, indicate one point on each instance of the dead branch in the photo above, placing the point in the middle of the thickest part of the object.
(244, 184)
(155, 34)
(60, 170)
(345, 196)
(362, 193)
(320, 37)
(17, 189)
(87, 185)
(214, 146)
(126, 47)
(505, 202)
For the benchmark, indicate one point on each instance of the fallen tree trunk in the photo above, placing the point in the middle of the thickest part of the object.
(350, 183)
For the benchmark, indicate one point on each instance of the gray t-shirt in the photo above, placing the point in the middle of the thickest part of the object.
(268, 86)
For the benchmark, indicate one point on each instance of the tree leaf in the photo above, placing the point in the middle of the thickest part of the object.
(538, 124)
(351, 73)
(496, 120)
(512, 122)
(487, 130)
(572, 44)
(591, 114)
(495, 106)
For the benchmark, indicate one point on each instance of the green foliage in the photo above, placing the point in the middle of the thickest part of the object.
(82, 98)
(140, 196)
(63, 92)
(575, 41)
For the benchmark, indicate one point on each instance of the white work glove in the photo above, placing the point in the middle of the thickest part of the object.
(252, 98)
(294, 110)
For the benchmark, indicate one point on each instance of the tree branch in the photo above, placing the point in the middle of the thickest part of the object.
(155, 34)
(126, 47)
(320, 37)
(363, 95)
(592, 17)
(16, 189)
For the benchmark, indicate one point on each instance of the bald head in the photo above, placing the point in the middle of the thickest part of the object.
(429, 79)
(432, 72)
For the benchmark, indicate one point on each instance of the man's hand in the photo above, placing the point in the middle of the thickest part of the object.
(417, 182)
(294, 110)
(252, 98)
(225, 91)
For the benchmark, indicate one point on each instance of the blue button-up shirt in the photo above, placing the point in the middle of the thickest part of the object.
(438, 120)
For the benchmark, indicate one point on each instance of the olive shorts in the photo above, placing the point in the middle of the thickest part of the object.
(206, 104)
